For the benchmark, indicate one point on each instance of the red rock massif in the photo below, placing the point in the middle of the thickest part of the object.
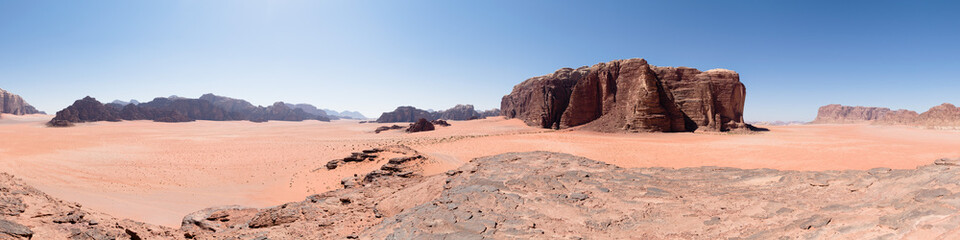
(630, 95)
(14, 104)
(943, 116)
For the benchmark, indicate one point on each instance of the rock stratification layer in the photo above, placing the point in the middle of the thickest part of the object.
(630, 95)
(14, 104)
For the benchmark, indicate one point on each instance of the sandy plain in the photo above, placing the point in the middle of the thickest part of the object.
(159, 172)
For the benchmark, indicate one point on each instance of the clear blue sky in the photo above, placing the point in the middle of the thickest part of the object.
(372, 56)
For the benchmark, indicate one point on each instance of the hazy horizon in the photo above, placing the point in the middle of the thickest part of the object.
(374, 56)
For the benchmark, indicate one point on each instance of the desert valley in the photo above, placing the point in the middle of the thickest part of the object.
(610, 151)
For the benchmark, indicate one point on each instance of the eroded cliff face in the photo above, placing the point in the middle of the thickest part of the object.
(943, 116)
(14, 104)
(630, 95)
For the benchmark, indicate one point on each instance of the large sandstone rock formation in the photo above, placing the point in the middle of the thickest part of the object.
(404, 114)
(87, 109)
(179, 109)
(943, 116)
(630, 95)
(13, 104)
(836, 113)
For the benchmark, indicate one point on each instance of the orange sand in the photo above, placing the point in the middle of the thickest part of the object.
(159, 172)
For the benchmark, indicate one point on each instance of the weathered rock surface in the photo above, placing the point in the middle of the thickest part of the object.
(27, 213)
(178, 109)
(14, 104)
(943, 116)
(421, 125)
(630, 95)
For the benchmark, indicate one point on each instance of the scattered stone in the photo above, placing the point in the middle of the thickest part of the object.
(332, 164)
(948, 162)
(440, 122)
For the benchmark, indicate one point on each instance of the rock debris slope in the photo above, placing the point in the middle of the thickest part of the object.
(630, 95)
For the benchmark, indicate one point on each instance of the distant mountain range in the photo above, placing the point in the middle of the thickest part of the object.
(180, 109)
(232, 104)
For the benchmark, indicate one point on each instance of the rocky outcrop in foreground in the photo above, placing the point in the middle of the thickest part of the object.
(178, 109)
(545, 195)
(943, 116)
(14, 104)
(27, 213)
(459, 112)
(630, 95)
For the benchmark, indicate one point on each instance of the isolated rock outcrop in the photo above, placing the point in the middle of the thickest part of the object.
(421, 125)
(13, 104)
(630, 95)
(405, 114)
(945, 116)
(87, 109)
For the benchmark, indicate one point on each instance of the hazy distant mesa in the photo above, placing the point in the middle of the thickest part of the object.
(943, 116)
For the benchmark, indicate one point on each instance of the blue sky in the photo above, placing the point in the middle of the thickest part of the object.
(372, 56)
